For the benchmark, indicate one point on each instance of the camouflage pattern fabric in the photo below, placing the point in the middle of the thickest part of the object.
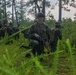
(44, 36)
(57, 35)
(41, 30)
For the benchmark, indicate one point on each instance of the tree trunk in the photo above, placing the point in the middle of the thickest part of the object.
(16, 13)
(0, 15)
(22, 10)
(13, 12)
(5, 13)
(43, 10)
(38, 8)
(35, 8)
(60, 10)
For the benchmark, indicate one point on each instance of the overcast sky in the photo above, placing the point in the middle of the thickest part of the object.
(55, 12)
(65, 14)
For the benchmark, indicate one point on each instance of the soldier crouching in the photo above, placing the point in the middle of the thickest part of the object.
(37, 45)
(38, 34)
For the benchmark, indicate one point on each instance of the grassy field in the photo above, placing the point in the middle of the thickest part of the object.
(61, 62)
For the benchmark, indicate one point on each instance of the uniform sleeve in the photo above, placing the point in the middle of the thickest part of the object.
(48, 30)
(59, 34)
(31, 32)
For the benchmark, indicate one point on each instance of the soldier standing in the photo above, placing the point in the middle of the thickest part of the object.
(57, 35)
(39, 35)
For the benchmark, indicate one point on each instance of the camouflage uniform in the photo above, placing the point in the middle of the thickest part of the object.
(44, 35)
(57, 36)
(2, 32)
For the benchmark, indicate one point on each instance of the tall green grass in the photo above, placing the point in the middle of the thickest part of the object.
(14, 62)
(72, 58)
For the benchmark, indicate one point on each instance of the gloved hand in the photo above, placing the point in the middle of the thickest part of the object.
(37, 36)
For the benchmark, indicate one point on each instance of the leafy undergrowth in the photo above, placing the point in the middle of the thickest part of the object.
(61, 62)
(14, 62)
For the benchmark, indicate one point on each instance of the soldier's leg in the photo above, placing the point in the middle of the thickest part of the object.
(53, 46)
(41, 47)
(35, 46)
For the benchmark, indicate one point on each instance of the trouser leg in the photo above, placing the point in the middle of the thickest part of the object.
(53, 47)
(37, 47)
(34, 44)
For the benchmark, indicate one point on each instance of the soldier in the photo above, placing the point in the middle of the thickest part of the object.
(15, 29)
(25, 33)
(57, 34)
(39, 35)
(9, 32)
(2, 32)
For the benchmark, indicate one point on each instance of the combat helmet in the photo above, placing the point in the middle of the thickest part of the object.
(58, 24)
(40, 14)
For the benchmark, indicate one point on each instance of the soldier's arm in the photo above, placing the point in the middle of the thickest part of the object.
(31, 32)
(59, 33)
(48, 30)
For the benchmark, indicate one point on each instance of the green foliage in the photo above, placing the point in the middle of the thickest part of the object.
(72, 61)
(69, 30)
(61, 62)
